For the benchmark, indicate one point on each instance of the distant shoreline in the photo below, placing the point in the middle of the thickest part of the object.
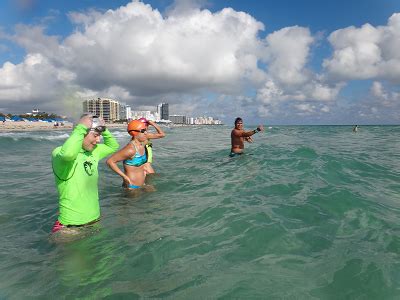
(9, 126)
(42, 126)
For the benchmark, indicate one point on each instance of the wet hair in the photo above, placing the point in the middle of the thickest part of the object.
(237, 120)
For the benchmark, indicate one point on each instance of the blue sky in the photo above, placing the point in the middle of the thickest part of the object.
(275, 62)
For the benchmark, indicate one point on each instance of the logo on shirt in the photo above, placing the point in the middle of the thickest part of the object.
(87, 165)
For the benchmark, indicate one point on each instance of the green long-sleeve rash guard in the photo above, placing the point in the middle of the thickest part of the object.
(76, 174)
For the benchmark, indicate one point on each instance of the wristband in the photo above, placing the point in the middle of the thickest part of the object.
(255, 131)
(258, 129)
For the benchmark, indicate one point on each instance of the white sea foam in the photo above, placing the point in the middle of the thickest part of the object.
(120, 135)
(37, 136)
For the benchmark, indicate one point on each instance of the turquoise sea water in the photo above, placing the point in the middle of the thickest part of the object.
(310, 212)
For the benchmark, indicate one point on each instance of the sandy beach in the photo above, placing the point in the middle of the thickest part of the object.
(31, 126)
(38, 126)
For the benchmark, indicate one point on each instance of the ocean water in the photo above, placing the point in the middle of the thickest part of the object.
(309, 212)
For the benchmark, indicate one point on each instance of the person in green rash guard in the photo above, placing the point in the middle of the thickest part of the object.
(75, 166)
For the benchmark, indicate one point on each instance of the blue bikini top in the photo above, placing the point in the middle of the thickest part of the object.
(137, 160)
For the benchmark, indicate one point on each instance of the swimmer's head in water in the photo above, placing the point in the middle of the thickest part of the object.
(135, 127)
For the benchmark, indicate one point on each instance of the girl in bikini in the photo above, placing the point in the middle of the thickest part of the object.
(134, 155)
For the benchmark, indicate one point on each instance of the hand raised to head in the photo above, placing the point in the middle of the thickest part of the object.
(102, 122)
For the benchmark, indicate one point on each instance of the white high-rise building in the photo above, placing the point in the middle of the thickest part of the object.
(128, 112)
(106, 108)
(137, 114)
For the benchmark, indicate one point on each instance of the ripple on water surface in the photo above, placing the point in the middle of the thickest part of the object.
(308, 212)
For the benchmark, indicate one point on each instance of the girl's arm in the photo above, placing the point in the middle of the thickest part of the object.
(121, 155)
(160, 134)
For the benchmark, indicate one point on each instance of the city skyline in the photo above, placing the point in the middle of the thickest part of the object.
(113, 110)
(286, 62)
(124, 112)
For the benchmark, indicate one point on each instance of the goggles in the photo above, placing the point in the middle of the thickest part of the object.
(96, 125)
(141, 130)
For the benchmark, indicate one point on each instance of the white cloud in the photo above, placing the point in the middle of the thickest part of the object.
(322, 92)
(325, 109)
(305, 107)
(366, 52)
(34, 41)
(138, 55)
(180, 7)
(286, 54)
(312, 90)
(32, 79)
(377, 90)
(84, 19)
(270, 93)
(114, 92)
(145, 54)
(149, 54)
(382, 96)
(264, 112)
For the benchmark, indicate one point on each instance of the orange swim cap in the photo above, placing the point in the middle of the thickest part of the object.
(135, 126)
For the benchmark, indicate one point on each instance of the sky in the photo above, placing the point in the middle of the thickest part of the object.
(271, 62)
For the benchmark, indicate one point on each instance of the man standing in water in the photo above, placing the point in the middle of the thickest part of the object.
(75, 168)
(239, 135)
